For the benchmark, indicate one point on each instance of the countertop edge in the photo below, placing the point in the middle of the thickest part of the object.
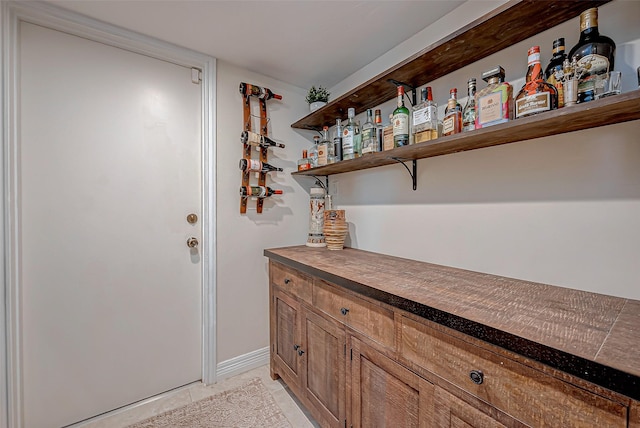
(600, 374)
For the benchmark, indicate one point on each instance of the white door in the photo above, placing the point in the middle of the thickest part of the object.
(109, 167)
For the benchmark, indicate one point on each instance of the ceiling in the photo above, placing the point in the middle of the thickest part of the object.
(300, 42)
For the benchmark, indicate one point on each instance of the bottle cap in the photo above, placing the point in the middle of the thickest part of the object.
(400, 90)
(453, 92)
(558, 45)
(496, 71)
(304, 154)
(429, 93)
(325, 128)
(351, 112)
(277, 192)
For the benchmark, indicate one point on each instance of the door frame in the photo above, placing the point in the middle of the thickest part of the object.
(52, 17)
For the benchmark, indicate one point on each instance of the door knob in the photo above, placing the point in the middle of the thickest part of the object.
(192, 242)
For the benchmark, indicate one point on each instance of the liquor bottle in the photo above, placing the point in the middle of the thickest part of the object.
(379, 129)
(555, 64)
(248, 89)
(325, 148)
(469, 111)
(357, 140)
(258, 140)
(313, 152)
(494, 104)
(452, 122)
(401, 121)
(536, 96)
(348, 133)
(595, 51)
(257, 166)
(425, 118)
(304, 164)
(258, 191)
(369, 140)
(337, 141)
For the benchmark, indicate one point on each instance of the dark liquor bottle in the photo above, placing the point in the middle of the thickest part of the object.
(257, 166)
(536, 96)
(258, 191)
(248, 89)
(594, 51)
(248, 137)
(555, 64)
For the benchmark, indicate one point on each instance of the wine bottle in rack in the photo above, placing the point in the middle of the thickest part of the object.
(255, 165)
(248, 89)
(258, 191)
(248, 137)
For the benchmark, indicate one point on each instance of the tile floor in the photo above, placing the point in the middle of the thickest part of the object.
(292, 409)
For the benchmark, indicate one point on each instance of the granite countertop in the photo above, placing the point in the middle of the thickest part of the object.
(591, 336)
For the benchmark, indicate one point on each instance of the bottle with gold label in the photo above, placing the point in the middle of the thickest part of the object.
(537, 95)
(494, 104)
(452, 122)
(425, 118)
(555, 64)
(595, 52)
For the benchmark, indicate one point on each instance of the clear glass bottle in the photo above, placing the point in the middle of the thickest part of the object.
(328, 142)
(401, 121)
(313, 152)
(348, 132)
(537, 95)
(379, 129)
(469, 111)
(324, 147)
(425, 118)
(337, 141)
(556, 64)
(452, 122)
(494, 104)
(596, 50)
(369, 140)
(357, 140)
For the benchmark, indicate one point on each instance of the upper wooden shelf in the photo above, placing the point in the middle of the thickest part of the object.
(511, 23)
(606, 111)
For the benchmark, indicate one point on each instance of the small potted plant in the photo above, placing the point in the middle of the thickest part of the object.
(317, 97)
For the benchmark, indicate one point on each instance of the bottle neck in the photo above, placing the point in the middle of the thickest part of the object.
(400, 99)
(534, 72)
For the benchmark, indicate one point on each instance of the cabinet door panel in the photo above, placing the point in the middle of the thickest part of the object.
(287, 337)
(324, 347)
(451, 412)
(385, 394)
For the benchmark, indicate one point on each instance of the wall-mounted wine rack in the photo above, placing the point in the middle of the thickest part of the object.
(261, 94)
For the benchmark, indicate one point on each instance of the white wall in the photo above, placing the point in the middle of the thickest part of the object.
(563, 210)
(242, 273)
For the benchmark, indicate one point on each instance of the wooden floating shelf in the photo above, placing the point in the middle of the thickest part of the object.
(602, 112)
(511, 23)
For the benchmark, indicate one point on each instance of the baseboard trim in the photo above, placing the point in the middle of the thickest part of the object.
(242, 363)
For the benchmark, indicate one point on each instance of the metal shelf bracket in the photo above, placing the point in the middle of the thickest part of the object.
(414, 174)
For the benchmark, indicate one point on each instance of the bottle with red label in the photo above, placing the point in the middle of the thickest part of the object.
(537, 95)
(255, 165)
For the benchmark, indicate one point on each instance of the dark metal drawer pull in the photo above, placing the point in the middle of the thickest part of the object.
(476, 376)
(300, 352)
(344, 311)
(287, 280)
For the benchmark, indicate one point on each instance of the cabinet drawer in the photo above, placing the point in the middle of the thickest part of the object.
(290, 280)
(525, 393)
(371, 320)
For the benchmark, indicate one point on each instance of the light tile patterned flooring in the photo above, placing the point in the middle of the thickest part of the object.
(295, 413)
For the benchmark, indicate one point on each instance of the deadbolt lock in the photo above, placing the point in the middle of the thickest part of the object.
(192, 242)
